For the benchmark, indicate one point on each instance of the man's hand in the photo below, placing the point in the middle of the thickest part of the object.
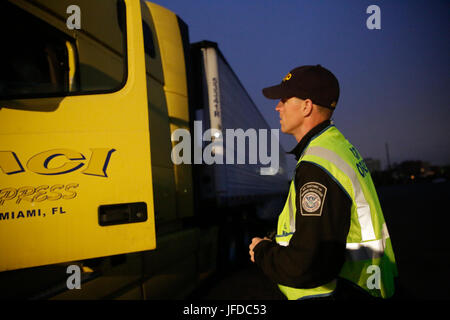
(252, 245)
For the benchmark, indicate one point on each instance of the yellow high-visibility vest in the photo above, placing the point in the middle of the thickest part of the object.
(370, 261)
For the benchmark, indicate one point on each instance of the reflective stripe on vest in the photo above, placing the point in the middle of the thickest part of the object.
(368, 250)
(362, 207)
(291, 212)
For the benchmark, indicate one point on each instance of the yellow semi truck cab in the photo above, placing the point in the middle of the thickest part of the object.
(91, 93)
(78, 108)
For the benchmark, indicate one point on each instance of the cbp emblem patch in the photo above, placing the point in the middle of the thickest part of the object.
(312, 195)
(311, 202)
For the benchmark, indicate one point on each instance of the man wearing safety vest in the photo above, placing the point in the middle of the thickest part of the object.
(332, 241)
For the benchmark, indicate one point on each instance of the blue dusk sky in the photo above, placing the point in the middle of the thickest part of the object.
(394, 81)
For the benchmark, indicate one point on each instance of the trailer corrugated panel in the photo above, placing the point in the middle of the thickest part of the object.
(230, 107)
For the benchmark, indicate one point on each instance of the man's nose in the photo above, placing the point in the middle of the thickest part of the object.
(279, 105)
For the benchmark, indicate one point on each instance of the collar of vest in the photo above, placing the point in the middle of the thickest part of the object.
(313, 133)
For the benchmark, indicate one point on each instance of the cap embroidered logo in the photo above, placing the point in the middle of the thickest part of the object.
(288, 76)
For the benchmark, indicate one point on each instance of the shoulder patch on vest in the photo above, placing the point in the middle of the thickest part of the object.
(312, 196)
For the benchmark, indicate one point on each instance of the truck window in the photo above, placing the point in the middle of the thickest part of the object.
(42, 56)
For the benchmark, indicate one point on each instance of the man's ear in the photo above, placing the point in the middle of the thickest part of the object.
(307, 107)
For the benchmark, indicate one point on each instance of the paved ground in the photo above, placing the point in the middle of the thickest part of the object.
(246, 283)
(418, 219)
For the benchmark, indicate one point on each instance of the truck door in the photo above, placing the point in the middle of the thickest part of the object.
(75, 164)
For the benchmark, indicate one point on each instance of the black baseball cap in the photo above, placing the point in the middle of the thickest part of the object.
(307, 82)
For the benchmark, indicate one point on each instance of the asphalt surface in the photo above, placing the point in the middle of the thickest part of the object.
(418, 219)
